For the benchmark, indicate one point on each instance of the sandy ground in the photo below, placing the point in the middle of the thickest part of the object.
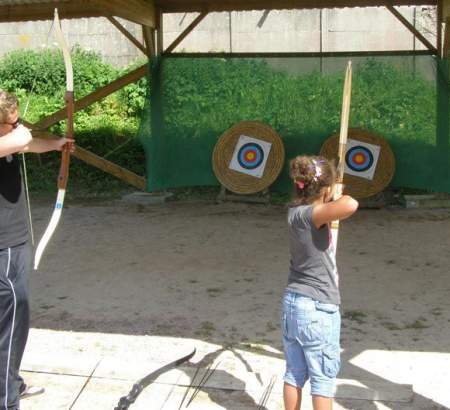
(214, 273)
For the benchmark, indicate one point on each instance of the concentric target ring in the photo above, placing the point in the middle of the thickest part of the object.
(250, 156)
(359, 158)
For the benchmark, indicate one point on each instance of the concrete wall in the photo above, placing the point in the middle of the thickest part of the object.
(91, 33)
(359, 29)
(257, 31)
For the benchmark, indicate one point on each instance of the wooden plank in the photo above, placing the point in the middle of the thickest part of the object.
(93, 97)
(127, 34)
(412, 29)
(302, 54)
(90, 158)
(186, 31)
(143, 11)
(180, 6)
(446, 9)
(109, 167)
(138, 11)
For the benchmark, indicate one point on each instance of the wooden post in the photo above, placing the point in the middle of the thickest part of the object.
(443, 102)
(149, 38)
(159, 32)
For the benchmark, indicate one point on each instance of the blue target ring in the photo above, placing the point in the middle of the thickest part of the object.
(250, 156)
(359, 158)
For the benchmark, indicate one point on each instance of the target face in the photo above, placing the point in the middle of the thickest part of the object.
(250, 156)
(361, 159)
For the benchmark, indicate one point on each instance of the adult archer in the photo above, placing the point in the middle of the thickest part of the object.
(15, 250)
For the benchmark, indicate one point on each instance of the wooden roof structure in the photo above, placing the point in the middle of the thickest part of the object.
(144, 11)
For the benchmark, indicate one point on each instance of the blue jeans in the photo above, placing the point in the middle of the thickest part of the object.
(311, 332)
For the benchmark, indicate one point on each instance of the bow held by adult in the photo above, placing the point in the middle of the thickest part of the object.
(65, 156)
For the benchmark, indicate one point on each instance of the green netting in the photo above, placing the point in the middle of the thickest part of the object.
(194, 100)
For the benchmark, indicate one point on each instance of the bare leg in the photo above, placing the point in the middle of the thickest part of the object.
(292, 397)
(322, 403)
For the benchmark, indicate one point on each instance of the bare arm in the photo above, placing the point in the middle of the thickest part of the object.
(20, 140)
(39, 145)
(15, 141)
(342, 208)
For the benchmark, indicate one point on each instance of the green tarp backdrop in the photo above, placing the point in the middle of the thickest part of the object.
(193, 100)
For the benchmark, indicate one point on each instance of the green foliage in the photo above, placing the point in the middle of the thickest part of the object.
(107, 128)
(45, 74)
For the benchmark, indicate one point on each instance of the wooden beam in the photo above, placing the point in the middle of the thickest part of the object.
(446, 48)
(184, 6)
(412, 29)
(138, 11)
(148, 34)
(159, 32)
(46, 10)
(302, 54)
(102, 92)
(109, 167)
(439, 23)
(127, 34)
(186, 31)
(446, 9)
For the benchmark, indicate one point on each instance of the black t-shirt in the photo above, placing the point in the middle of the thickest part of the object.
(13, 215)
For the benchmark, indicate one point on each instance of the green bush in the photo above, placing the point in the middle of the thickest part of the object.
(107, 128)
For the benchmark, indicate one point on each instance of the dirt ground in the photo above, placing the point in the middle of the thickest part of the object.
(215, 272)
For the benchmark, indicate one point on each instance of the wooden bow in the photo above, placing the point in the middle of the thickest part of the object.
(345, 115)
(65, 157)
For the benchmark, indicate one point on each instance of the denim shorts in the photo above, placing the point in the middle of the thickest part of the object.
(311, 332)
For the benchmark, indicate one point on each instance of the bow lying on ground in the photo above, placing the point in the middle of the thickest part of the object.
(345, 116)
(126, 401)
(65, 158)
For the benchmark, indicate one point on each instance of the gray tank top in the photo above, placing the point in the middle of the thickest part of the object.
(313, 269)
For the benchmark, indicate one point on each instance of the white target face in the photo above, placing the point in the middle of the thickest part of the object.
(250, 156)
(361, 159)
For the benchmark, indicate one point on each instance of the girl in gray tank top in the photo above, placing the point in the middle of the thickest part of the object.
(311, 318)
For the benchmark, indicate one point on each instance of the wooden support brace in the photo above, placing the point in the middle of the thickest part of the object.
(90, 158)
(127, 34)
(186, 31)
(412, 29)
(93, 97)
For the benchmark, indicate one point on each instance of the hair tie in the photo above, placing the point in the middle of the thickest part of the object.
(300, 184)
(317, 169)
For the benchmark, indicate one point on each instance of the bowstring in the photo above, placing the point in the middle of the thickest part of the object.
(24, 163)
